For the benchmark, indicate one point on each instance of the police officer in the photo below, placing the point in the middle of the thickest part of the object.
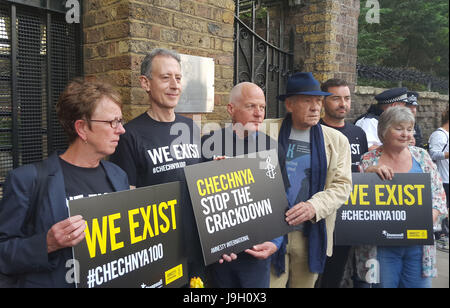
(369, 121)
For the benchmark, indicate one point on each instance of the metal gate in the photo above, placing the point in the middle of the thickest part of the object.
(258, 59)
(39, 53)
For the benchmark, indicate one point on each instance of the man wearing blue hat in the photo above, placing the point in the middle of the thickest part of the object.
(318, 164)
(412, 105)
(369, 121)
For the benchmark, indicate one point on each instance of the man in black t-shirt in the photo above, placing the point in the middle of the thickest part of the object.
(357, 139)
(336, 108)
(158, 144)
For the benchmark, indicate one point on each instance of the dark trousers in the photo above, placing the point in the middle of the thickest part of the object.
(444, 230)
(245, 272)
(334, 268)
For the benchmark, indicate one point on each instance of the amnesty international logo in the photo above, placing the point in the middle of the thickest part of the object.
(173, 274)
(417, 234)
(270, 168)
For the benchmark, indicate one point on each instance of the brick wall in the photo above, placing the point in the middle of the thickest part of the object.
(118, 34)
(106, 27)
(431, 106)
(326, 33)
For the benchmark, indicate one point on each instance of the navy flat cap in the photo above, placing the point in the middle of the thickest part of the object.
(412, 98)
(393, 95)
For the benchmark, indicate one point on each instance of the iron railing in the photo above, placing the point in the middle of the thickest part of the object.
(258, 60)
(400, 75)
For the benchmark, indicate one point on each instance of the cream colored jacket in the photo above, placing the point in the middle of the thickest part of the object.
(339, 176)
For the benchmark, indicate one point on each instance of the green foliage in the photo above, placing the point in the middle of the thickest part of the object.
(412, 34)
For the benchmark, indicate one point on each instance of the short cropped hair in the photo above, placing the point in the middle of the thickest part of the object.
(146, 66)
(393, 116)
(335, 82)
(79, 100)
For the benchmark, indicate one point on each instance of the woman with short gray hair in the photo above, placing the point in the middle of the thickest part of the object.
(405, 266)
(393, 116)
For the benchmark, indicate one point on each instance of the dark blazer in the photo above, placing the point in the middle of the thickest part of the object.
(23, 246)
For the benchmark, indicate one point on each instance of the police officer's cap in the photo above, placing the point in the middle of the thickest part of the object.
(393, 95)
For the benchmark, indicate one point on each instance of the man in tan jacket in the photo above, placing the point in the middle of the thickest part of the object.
(318, 163)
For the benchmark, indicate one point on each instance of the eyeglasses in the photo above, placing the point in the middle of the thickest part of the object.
(114, 123)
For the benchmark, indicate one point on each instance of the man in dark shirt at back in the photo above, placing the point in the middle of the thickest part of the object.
(336, 108)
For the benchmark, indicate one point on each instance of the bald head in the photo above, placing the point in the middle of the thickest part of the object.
(247, 105)
(243, 91)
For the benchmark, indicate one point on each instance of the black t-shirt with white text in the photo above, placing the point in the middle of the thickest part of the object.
(84, 182)
(153, 152)
(357, 139)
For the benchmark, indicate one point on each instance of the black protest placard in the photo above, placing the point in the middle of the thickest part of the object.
(133, 239)
(237, 202)
(397, 212)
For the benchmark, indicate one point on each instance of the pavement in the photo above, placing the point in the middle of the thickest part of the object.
(443, 266)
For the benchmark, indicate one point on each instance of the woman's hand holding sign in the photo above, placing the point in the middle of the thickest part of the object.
(384, 172)
(66, 233)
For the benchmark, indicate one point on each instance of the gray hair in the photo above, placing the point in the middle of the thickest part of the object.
(392, 116)
(146, 66)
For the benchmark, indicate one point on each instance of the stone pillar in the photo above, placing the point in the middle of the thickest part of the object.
(119, 33)
(325, 42)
